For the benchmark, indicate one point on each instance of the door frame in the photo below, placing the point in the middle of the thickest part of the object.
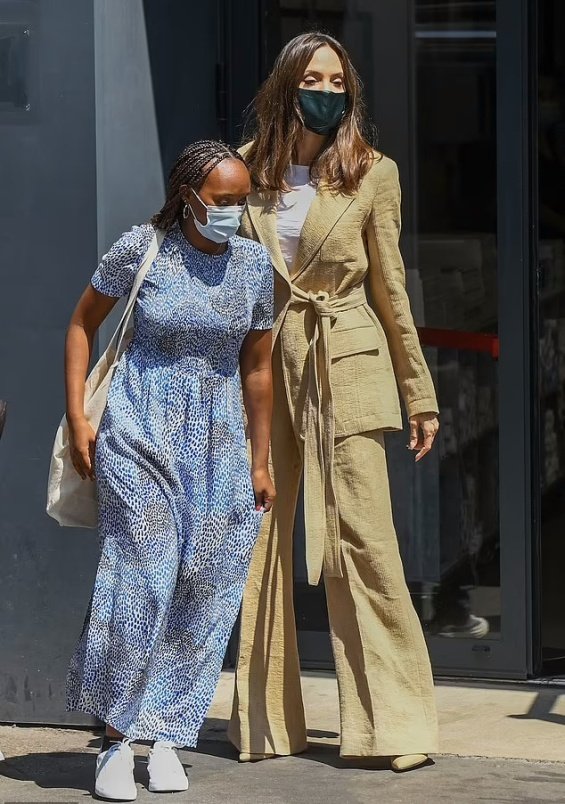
(511, 656)
(516, 654)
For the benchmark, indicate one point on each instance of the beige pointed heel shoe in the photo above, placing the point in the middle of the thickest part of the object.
(407, 762)
(245, 757)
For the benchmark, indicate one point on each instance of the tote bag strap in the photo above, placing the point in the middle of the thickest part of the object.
(144, 267)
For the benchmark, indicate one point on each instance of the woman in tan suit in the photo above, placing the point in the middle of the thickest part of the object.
(327, 206)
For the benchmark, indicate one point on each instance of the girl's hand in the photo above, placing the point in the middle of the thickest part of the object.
(423, 430)
(82, 442)
(264, 490)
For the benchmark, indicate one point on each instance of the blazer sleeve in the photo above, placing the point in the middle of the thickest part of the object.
(387, 286)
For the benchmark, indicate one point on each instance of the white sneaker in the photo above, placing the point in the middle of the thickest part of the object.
(166, 773)
(472, 628)
(114, 773)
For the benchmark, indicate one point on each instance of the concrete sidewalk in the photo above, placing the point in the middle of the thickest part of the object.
(315, 778)
(483, 725)
(509, 721)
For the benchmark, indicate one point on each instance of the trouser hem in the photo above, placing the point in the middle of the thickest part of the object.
(353, 750)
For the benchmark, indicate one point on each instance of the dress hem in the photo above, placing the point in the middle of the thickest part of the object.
(130, 733)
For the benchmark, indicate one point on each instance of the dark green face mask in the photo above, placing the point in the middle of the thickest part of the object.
(322, 109)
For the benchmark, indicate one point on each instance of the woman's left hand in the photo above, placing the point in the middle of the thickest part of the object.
(264, 490)
(423, 430)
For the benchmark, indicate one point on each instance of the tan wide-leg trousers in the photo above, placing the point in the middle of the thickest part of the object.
(386, 694)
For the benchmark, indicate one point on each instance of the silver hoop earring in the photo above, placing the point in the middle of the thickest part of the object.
(185, 211)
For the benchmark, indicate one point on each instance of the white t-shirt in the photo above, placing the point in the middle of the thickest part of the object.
(292, 210)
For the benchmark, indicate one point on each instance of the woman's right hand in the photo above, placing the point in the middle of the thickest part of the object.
(90, 312)
(82, 443)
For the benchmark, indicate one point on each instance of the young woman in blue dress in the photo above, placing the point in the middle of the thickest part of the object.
(179, 505)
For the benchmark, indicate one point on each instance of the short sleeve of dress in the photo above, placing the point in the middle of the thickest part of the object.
(116, 273)
(262, 317)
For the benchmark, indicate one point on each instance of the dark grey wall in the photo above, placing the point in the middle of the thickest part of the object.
(184, 43)
(115, 90)
(155, 70)
(47, 249)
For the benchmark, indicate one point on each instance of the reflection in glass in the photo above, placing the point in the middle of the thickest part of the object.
(455, 69)
(551, 280)
(433, 95)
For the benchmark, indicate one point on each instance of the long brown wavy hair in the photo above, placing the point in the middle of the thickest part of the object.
(276, 123)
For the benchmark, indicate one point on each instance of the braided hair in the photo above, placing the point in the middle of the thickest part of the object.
(192, 167)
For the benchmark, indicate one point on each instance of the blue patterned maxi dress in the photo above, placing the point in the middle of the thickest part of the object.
(176, 506)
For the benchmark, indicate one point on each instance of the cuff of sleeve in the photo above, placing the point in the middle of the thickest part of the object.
(426, 405)
(98, 284)
(261, 326)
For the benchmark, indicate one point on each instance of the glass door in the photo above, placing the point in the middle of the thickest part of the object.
(442, 82)
(550, 396)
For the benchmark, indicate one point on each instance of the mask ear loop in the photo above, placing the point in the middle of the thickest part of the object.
(187, 208)
(298, 110)
(192, 190)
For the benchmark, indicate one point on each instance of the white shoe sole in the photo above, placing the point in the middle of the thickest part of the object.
(153, 788)
(107, 797)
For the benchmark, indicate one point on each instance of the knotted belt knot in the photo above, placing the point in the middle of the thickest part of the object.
(321, 302)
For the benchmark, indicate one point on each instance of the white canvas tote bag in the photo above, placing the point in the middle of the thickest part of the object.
(71, 500)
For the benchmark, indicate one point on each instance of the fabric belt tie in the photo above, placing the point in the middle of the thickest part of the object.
(321, 513)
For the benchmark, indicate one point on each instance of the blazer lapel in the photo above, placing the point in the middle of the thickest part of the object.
(325, 211)
(263, 213)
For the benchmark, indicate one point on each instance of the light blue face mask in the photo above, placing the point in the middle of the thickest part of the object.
(221, 222)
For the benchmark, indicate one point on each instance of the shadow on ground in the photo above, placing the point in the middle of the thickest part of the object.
(74, 770)
(317, 752)
(541, 708)
(63, 770)
(216, 744)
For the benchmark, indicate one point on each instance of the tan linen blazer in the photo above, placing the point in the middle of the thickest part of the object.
(345, 333)
(347, 243)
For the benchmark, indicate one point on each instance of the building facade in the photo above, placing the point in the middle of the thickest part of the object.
(96, 100)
